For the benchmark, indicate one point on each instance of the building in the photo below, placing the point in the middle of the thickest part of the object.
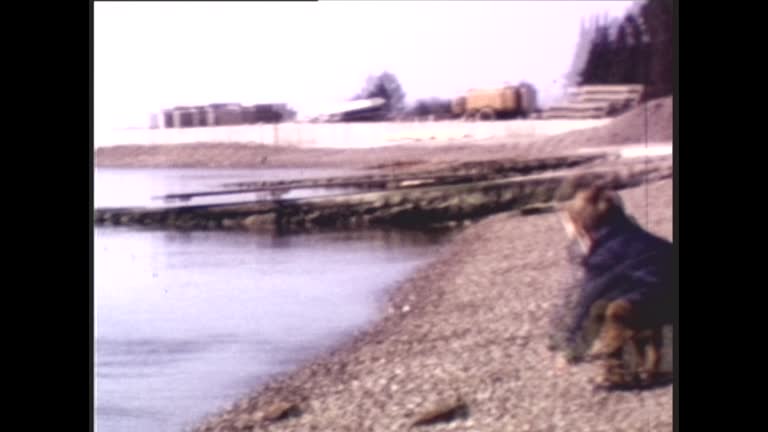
(225, 114)
(358, 110)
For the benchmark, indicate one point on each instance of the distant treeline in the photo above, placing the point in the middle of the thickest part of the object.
(435, 108)
(637, 49)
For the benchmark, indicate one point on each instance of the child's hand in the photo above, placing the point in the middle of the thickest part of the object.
(561, 364)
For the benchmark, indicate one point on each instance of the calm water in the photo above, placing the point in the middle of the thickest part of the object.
(117, 187)
(188, 322)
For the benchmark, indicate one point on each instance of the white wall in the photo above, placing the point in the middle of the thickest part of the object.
(344, 135)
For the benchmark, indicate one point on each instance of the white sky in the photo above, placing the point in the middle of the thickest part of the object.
(154, 55)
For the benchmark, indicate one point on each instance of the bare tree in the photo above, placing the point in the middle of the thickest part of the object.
(387, 87)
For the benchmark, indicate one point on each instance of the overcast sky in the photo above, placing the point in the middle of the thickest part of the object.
(154, 55)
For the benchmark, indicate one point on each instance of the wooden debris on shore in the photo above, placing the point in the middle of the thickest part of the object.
(418, 206)
(455, 174)
(280, 411)
(444, 411)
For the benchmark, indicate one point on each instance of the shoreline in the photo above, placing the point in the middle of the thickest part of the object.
(649, 123)
(245, 156)
(467, 330)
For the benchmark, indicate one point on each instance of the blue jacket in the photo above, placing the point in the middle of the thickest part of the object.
(625, 262)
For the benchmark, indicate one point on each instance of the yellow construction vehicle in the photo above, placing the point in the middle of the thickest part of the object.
(498, 103)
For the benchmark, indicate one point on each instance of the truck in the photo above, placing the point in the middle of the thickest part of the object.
(504, 102)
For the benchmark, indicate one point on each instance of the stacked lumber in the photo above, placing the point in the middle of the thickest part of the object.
(596, 101)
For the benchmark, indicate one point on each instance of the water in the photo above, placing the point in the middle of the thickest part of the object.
(118, 187)
(186, 323)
